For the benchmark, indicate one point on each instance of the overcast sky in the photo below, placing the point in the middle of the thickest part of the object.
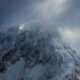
(60, 12)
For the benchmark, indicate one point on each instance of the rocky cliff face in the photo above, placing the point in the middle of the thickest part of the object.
(33, 54)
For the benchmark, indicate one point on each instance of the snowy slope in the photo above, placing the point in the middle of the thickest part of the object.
(33, 54)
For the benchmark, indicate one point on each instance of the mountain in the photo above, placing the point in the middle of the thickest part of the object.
(36, 54)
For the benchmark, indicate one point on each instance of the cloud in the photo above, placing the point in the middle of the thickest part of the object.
(71, 16)
(70, 35)
(59, 12)
(51, 9)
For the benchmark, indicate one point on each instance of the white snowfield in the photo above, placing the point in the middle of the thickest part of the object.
(37, 55)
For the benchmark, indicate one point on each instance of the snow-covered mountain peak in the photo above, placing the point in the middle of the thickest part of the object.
(33, 54)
